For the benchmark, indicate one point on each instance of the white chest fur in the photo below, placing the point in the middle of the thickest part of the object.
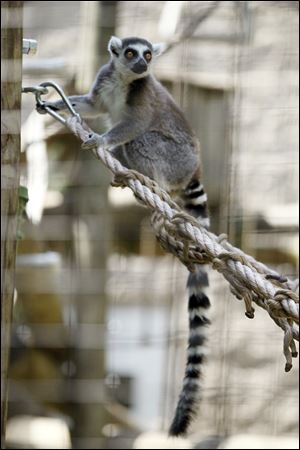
(114, 96)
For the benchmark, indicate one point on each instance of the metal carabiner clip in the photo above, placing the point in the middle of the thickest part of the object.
(35, 90)
(41, 103)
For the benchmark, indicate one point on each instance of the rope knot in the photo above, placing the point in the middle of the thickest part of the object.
(180, 218)
(282, 294)
(217, 264)
(234, 256)
(121, 179)
(181, 234)
(276, 277)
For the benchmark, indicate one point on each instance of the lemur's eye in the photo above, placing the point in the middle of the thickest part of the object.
(148, 56)
(130, 54)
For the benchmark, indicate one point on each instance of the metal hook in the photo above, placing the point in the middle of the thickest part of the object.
(40, 90)
(35, 90)
(61, 93)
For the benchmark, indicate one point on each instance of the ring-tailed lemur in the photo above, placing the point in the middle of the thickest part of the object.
(150, 134)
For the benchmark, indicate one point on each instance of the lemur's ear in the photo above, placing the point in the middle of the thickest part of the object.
(115, 45)
(158, 49)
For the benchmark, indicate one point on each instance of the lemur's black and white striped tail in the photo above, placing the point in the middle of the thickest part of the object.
(195, 201)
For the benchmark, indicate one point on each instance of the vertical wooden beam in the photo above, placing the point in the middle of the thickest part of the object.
(98, 25)
(11, 68)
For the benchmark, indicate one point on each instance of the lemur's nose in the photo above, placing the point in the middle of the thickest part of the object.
(140, 66)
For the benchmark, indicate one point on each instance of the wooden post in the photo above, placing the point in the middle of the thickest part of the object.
(11, 62)
(91, 209)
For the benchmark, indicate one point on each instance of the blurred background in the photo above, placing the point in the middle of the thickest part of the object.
(100, 320)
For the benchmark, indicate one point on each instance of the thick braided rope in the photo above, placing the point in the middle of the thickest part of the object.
(180, 234)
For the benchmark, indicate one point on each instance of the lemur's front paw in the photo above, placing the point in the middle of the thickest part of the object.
(55, 106)
(41, 109)
(95, 140)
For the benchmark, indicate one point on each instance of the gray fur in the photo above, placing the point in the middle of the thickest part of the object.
(150, 134)
(148, 131)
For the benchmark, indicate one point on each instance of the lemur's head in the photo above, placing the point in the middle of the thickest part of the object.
(133, 56)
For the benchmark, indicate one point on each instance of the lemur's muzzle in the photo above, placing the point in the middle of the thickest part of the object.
(140, 66)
